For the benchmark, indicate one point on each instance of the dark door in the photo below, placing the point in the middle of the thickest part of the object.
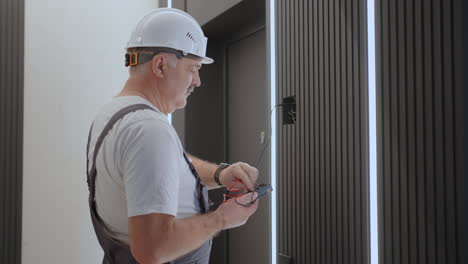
(248, 117)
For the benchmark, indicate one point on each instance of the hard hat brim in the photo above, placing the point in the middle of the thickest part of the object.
(202, 59)
(206, 60)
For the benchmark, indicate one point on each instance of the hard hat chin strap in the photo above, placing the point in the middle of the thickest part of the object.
(135, 58)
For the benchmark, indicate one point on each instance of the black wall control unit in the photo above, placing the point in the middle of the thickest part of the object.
(289, 110)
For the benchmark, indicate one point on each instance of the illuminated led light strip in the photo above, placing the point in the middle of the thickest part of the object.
(272, 38)
(169, 3)
(373, 214)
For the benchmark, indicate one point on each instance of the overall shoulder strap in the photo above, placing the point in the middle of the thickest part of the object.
(114, 251)
(116, 117)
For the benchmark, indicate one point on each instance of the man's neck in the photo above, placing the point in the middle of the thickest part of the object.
(142, 88)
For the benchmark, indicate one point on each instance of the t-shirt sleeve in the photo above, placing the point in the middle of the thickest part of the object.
(149, 158)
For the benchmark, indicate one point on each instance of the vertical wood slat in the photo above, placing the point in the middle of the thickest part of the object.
(300, 140)
(412, 217)
(460, 79)
(332, 156)
(339, 127)
(420, 169)
(325, 89)
(345, 148)
(315, 146)
(321, 136)
(306, 132)
(418, 95)
(11, 130)
(322, 159)
(294, 63)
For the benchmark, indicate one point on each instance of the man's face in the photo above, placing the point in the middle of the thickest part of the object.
(182, 80)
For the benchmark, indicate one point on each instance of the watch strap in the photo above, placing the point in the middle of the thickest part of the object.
(221, 167)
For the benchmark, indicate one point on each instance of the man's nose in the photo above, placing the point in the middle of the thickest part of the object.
(196, 79)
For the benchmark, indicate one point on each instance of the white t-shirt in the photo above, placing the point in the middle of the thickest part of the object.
(140, 167)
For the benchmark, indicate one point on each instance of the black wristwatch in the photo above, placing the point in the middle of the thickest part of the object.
(221, 167)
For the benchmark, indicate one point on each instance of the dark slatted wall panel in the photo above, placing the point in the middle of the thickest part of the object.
(11, 128)
(419, 91)
(322, 159)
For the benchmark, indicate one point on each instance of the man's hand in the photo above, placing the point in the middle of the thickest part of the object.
(242, 171)
(233, 214)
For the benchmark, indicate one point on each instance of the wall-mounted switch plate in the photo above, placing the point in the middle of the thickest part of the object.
(262, 137)
(289, 110)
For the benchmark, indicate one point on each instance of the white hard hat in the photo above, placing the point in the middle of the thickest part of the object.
(170, 28)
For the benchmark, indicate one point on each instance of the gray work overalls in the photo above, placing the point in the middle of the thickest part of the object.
(116, 252)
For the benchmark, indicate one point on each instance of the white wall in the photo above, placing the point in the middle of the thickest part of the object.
(73, 64)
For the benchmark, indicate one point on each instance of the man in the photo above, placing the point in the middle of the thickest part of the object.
(148, 199)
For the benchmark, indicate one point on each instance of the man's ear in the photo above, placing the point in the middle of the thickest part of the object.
(159, 65)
